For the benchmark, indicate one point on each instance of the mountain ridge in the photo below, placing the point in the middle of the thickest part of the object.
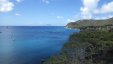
(90, 22)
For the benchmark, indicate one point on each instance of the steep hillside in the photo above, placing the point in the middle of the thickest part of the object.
(90, 22)
(86, 48)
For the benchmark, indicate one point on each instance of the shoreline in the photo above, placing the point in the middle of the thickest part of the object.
(71, 28)
(79, 44)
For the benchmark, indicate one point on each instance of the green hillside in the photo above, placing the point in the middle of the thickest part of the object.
(89, 22)
(86, 48)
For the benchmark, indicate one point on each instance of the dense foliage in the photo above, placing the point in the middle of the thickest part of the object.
(86, 48)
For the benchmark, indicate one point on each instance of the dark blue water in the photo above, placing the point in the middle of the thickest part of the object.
(31, 45)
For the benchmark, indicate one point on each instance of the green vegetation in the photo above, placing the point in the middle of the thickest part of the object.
(88, 47)
(89, 22)
(93, 45)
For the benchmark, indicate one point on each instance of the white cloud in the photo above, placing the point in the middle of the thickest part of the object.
(110, 16)
(60, 17)
(88, 8)
(17, 14)
(98, 18)
(104, 17)
(6, 6)
(70, 20)
(106, 8)
(18, 1)
(46, 1)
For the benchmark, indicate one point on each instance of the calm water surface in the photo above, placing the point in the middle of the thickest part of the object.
(30, 45)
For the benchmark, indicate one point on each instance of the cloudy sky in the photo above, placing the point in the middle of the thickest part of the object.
(52, 12)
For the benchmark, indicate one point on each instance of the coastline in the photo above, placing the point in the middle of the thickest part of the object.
(74, 51)
(70, 28)
(67, 27)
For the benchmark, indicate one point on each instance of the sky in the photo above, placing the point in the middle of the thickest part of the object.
(52, 12)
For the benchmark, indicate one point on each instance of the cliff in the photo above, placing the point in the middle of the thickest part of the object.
(93, 45)
(86, 48)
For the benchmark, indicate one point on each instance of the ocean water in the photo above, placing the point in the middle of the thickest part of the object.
(31, 44)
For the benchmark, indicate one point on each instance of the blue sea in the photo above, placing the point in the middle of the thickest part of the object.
(31, 44)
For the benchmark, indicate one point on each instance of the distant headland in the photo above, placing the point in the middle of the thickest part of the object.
(90, 24)
(92, 45)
